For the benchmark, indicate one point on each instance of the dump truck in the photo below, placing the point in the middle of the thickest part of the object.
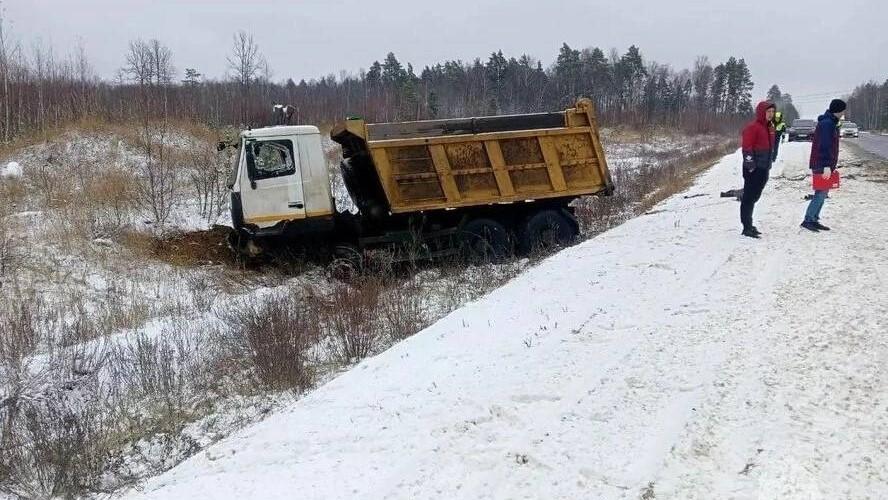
(477, 187)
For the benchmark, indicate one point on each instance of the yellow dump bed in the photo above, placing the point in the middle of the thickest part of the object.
(440, 164)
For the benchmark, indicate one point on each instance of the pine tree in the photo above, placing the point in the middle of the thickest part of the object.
(788, 109)
(774, 94)
(374, 76)
(744, 90)
(701, 79)
(432, 104)
(392, 71)
(632, 75)
(567, 72)
(409, 101)
(192, 77)
(732, 86)
(496, 76)
(717, 91)
(596, 76)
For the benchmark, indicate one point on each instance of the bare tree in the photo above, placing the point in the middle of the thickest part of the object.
(149, 66)
(246, 64)
(161, 61)
(85, 77)
(139, 66)
(4, 69)
(245, 61)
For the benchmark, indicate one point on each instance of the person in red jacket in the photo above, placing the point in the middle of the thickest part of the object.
(757, 147)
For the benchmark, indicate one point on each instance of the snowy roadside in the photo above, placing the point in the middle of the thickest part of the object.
(667, 357)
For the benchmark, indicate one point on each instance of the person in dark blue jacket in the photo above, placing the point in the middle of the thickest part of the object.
(824, 157)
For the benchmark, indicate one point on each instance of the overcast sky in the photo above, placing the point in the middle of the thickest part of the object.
(811, 48)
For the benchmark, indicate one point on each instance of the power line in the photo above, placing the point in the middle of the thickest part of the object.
(821, 94)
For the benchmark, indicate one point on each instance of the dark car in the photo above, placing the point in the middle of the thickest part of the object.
(801, 130)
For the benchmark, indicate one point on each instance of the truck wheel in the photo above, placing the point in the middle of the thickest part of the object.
(485, 240)
(547, 230)
(347, 264)
(243, 245)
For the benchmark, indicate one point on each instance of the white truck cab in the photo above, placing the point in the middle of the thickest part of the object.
(280, 177)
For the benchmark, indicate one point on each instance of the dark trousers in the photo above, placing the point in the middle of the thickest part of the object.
(753, 184)
(776, 146)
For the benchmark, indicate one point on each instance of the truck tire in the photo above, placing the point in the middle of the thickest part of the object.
(243, 245)
(547, 230)
(484, 240)
(347, 263)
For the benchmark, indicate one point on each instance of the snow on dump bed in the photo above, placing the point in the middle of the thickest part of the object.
(669, 357)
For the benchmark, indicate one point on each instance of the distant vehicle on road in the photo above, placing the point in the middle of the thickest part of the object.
(801, 129)
(849, 129)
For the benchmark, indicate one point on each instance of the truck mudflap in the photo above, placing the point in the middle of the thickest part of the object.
(237, 211)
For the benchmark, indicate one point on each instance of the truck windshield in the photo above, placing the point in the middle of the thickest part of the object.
(270, 158)
(849, 125)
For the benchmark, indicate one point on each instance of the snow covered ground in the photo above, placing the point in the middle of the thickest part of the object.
(630, 153)
(12, 169)
(667, 358)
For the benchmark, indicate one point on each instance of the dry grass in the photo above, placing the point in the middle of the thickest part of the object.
(68, 420)
(9, 252)
(350, 317)
(184, 249)
(401, 310)
(12, 195)
(111, 199)
(273, 338)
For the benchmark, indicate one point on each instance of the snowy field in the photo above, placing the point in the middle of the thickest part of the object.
(667, 358)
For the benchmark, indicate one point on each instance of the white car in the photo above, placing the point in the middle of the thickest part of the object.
(849, 129)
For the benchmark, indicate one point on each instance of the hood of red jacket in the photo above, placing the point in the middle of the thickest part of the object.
(761, 109)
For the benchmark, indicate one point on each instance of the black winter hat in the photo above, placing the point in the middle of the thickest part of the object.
(837, 106)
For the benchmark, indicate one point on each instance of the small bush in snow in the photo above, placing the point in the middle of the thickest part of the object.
(111, 197)
(59, 448)
(8, 252)
(402, 311)
(274, 335)
(161, 372)
(52, 436)
(208, 172)
(159, 184)
(351, 319)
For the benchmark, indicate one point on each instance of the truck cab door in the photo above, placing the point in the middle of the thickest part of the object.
(271, 183)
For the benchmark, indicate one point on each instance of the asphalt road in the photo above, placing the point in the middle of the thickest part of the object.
(874, 143)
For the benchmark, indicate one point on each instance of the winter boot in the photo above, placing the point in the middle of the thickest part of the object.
(810, 226)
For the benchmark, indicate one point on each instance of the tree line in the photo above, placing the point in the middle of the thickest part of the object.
(868, 106)
(41, 90)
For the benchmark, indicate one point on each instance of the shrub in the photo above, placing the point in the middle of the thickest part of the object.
(274, 334)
